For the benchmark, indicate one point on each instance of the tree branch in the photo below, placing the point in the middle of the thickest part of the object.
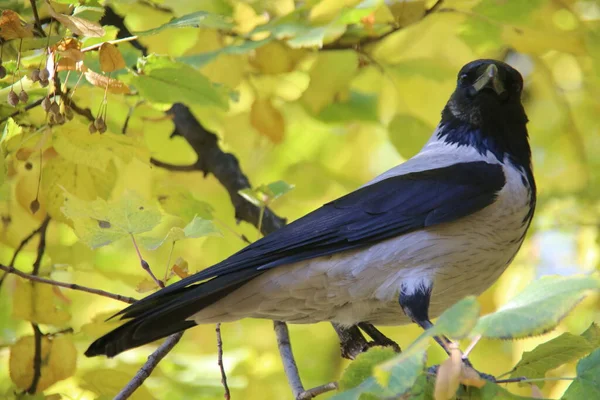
(314, 392)
(12, 270)
(148, 367)
(287, 357)
(227, 394)
(36, 16)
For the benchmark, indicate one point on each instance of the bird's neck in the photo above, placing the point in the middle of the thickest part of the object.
(502, 138)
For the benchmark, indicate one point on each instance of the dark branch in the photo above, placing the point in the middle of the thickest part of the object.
(36, 16)
(172, 167)
(224, 166)
(12, 270)
(37, 359)
(24, 109)
(110, 17)
(227, 394)
(41, 246)
(148, 367)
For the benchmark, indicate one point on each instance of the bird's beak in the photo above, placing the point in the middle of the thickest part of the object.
(490, 79)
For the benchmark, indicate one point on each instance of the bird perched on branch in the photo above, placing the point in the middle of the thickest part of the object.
(404, 247)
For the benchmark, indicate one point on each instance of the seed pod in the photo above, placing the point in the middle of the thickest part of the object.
(44, 82)
(13, 99)
(46, 103)
(28, 166)
(54, 108)
(60, 119)
(35, 75)
(23, 96)
(34, 206)
(102, 129)
(69, 113)
(92, 128)
(2, 71)
(99, 123)
(44, 74)
(51, 119)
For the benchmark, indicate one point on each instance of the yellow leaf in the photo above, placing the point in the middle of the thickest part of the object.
(448, 376)
(11, 26)
(36, 302)
(77, 25)
(109, 382)
(99, 325)
(110, 58)
(180, 268)
(267, 120)
(327, 10)
(114, 86)
(146, 285)
(470, 377)
(407, 12)
(536, 41)
(59, 358)
(331, 72)
(246, 18)
(74, 143)
(273, 58)
(80, 180)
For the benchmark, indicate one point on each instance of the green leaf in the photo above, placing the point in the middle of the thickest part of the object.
(592, 335)
(98, 222)
(179, 83)
(423, 388)
(180, 202)
(488, 392)
(198, 227)
(538, 309)
(12, 137)
(199, 60)
(265, 194)
(199, 19)
(552, 354)
(587, 383)
(367, 390)
(357, 378)
(358, 107)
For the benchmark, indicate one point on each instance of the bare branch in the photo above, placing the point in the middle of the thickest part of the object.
(12, 270)
(172, 167)
(24, 109)
(148, 367)
(36, 16)
(287, 357)
(314, 392)
(37, 359)
(227, 394)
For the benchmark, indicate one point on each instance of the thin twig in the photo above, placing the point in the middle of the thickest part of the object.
(314, 392)
(37, 359)
(116, 41)
(41, 249)
(471, 346)
(36, 16)
(227, 394)
(148, 367)
(145, 264)
(523, 379)
(12, 270)
(287, 357)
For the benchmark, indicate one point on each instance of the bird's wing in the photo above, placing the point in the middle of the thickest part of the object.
(385, 209)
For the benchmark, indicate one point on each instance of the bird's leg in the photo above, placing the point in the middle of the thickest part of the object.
(415, 305)
(379, 339)
(352, 341)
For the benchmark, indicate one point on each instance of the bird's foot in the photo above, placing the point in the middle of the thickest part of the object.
(352, 341)
(384, 343)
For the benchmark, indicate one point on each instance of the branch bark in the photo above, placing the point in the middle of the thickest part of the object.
(148, 367)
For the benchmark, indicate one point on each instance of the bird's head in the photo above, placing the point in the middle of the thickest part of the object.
(488, 92)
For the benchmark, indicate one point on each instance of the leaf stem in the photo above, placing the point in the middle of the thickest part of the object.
(522, 379)
(145, 264)
(116, 41)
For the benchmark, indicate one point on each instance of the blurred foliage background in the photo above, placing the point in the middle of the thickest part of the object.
(323, 95)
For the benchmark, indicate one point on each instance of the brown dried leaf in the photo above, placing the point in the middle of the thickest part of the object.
(110, 58)
(180, 268)
(11, 26)
(77, 25)
(68, 64)
(73, 54)
(448, 376)
(114, 86)
(68, 44)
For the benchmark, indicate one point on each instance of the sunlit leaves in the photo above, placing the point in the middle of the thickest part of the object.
(538, 309)
(77, 25)
(265, 194)
(180, 202)
(59, 358)
(98, 222)
(38, 303)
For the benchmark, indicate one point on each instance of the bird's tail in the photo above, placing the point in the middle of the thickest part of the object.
(165, 312)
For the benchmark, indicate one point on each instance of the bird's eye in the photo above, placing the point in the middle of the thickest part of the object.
(462, 80)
